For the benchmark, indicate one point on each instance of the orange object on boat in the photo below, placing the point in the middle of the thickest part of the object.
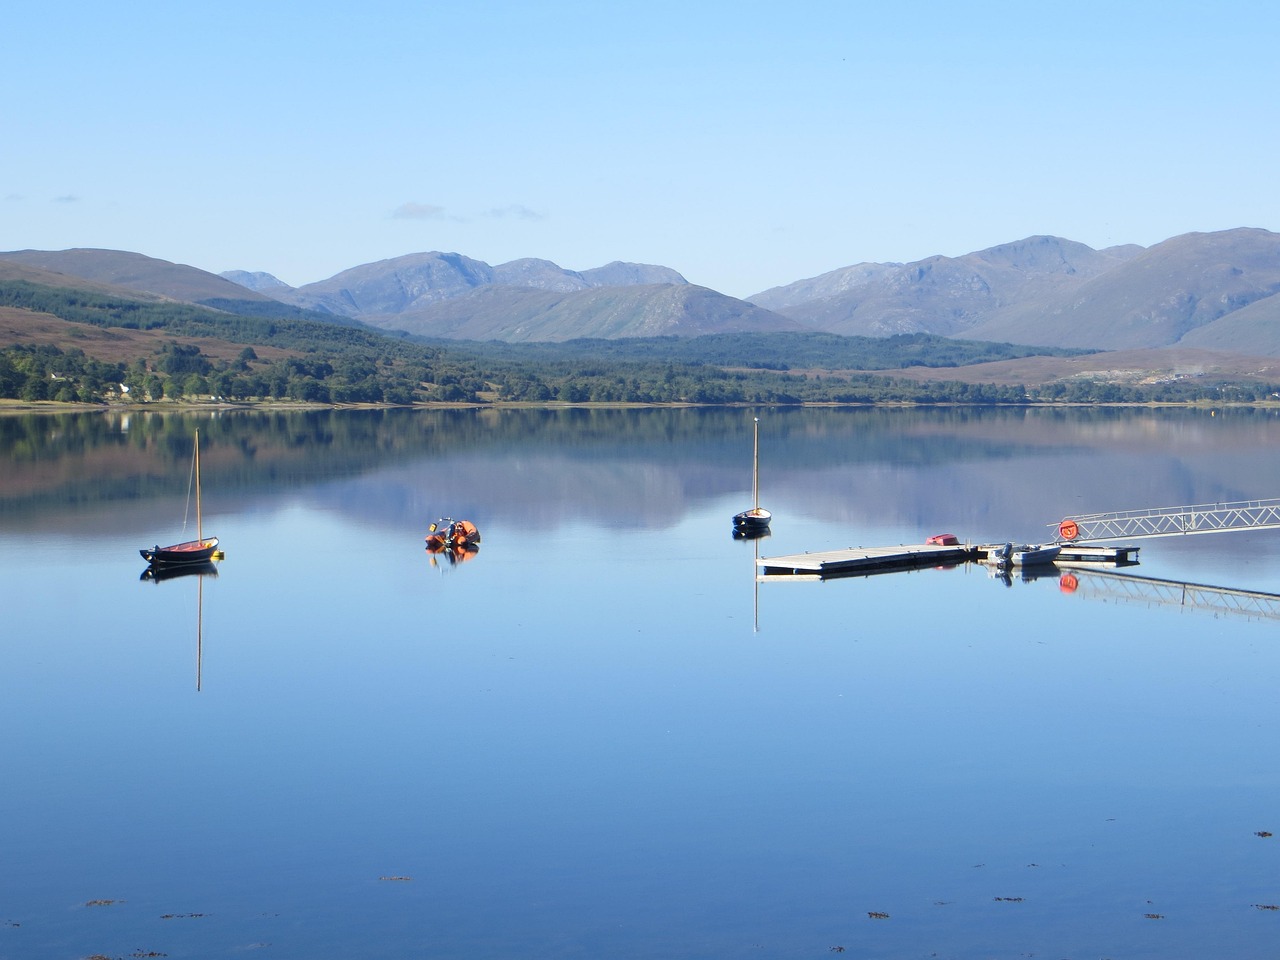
(450, 534)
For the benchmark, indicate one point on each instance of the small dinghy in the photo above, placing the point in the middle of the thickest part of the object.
(449, 534)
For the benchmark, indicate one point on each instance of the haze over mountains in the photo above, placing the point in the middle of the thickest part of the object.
(1216, 291)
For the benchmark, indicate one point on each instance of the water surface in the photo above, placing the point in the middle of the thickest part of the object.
(601, 736)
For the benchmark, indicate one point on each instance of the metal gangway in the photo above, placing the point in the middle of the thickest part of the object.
(1171, 521)
(1220, 601)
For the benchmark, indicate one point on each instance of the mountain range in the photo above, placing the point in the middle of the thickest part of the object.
(1209, 291)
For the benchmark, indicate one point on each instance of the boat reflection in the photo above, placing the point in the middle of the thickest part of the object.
(158, 573)
(1007, 573)
(453, 555)
(755, 536)
(170, 571)
(751, 533)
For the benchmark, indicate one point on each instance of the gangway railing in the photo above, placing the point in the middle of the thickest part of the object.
(1170, 521)
(1106, 585)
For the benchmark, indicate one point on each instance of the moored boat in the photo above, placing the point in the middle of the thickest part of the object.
(999, 552)
(757, 518)
(199, 550)
(1035, 553)
(449, 534)
(752, 524)
(191, 551)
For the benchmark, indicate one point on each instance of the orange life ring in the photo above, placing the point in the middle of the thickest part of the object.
(1068, 583)
(1068, 530)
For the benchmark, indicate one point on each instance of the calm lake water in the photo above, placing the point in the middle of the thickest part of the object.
(601, 736)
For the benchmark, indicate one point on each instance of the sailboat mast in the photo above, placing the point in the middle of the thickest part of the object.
(199, 527)
(755, 469)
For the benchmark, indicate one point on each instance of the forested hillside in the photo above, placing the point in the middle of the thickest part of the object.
(83, 345)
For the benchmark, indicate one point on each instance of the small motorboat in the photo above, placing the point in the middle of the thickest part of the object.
(1029, 555)
(449, 534)
(999, 553)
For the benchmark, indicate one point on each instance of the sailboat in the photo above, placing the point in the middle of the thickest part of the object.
(199, 550)
(756, 520)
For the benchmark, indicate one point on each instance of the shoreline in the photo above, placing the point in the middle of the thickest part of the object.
(14, 407)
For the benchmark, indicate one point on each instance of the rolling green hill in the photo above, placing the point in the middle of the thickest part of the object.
(73, 340)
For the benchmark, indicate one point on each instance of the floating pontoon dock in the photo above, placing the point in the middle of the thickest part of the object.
(864, 561)
(1072, 533)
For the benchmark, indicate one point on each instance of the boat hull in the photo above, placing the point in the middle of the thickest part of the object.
(190, 551)
(1031, 555)
(752, 520)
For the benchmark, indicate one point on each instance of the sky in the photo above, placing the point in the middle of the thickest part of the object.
(746, 145)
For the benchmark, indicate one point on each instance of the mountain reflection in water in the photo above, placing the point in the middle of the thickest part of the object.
(989, 473)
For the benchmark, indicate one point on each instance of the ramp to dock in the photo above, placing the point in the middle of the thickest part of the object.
(1171, 521)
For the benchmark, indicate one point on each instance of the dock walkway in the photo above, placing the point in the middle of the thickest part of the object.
(856, 561)
(867, 559)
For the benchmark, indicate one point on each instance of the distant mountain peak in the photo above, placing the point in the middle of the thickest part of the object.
(256, 280)
(620, 274)
(1213, 290)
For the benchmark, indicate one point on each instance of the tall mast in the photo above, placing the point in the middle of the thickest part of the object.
(199, 527)
(755, 472)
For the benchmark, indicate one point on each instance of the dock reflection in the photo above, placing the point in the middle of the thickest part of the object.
(1090, 581)
(1112, 586)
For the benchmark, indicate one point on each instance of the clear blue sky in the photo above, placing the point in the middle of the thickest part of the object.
(744, 144)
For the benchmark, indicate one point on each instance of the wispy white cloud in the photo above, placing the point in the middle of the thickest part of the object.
(412, 210)
(419, 211)
(67, 198)
(516, 211)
